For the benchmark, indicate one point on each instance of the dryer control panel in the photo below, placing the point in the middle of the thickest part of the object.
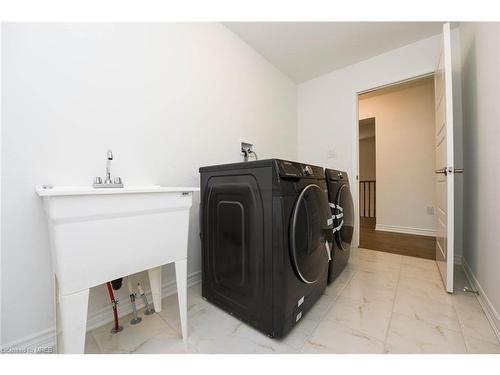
(299, 170)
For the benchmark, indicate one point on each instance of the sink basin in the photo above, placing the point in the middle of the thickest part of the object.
(98, 229)
(86, 190)
(98, 235)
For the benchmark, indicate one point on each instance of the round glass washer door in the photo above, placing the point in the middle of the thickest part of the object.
(344, 218)
(307, 234)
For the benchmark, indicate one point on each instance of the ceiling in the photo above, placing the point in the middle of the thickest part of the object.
(305, 50)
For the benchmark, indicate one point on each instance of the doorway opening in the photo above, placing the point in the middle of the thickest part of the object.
(367, 176)
(396, 168)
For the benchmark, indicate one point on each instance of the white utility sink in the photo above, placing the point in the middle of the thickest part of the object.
(98, 235)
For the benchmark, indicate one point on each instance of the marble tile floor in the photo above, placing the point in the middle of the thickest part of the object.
(381, 303)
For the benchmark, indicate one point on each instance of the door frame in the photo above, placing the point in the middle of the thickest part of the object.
(355, 137)
(1, 58)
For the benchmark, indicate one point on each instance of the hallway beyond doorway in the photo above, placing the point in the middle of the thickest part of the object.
(396, 243)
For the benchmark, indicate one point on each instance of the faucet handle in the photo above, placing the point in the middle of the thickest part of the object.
(118, 180)
(97, 180)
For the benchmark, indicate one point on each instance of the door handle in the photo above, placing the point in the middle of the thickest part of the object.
(442, 171)
(448, 170)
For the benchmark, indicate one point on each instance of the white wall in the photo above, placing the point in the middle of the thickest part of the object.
(405, 157)
(480, 51)
(1, 102)
(327, 106)
(166, 98)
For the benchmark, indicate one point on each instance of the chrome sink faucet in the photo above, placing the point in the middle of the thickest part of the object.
(108, 167)
(108, 182)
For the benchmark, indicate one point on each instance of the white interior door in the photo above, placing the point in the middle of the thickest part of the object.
(444, 161)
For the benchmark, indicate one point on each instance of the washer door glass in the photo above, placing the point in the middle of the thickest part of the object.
(307, 234)
(344, 219)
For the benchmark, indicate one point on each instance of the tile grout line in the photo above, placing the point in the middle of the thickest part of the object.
(460, 320)
(357, 270)
(136, 347)
(329, 308)
(460, 331)
(96, 341)
(299, 350)
(92, 332)
(392, 309)
(167, 323)
(461, 328)
(177, 329)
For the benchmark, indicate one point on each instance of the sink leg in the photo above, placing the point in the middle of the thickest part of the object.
(181, 278)
(155, 283)
(73, 320)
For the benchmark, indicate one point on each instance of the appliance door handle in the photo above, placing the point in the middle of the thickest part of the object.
(328, 250)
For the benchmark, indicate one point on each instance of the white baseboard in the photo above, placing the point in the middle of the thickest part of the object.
(45, 340)
(406, 230)
(489, 309)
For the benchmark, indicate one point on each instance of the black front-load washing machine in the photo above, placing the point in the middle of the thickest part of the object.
(340, 200)
(264, 230)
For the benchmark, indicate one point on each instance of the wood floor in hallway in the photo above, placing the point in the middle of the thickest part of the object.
(396, 243)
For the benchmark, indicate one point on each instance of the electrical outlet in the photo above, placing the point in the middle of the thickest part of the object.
(430, 210)
(331, 154)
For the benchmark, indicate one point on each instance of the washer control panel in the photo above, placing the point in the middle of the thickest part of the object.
(307, 170)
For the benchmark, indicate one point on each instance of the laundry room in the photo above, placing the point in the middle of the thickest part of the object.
(249, 187)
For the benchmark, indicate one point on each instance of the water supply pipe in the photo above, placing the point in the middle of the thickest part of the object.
(117, 328)
(148, 310)
(135, 318)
